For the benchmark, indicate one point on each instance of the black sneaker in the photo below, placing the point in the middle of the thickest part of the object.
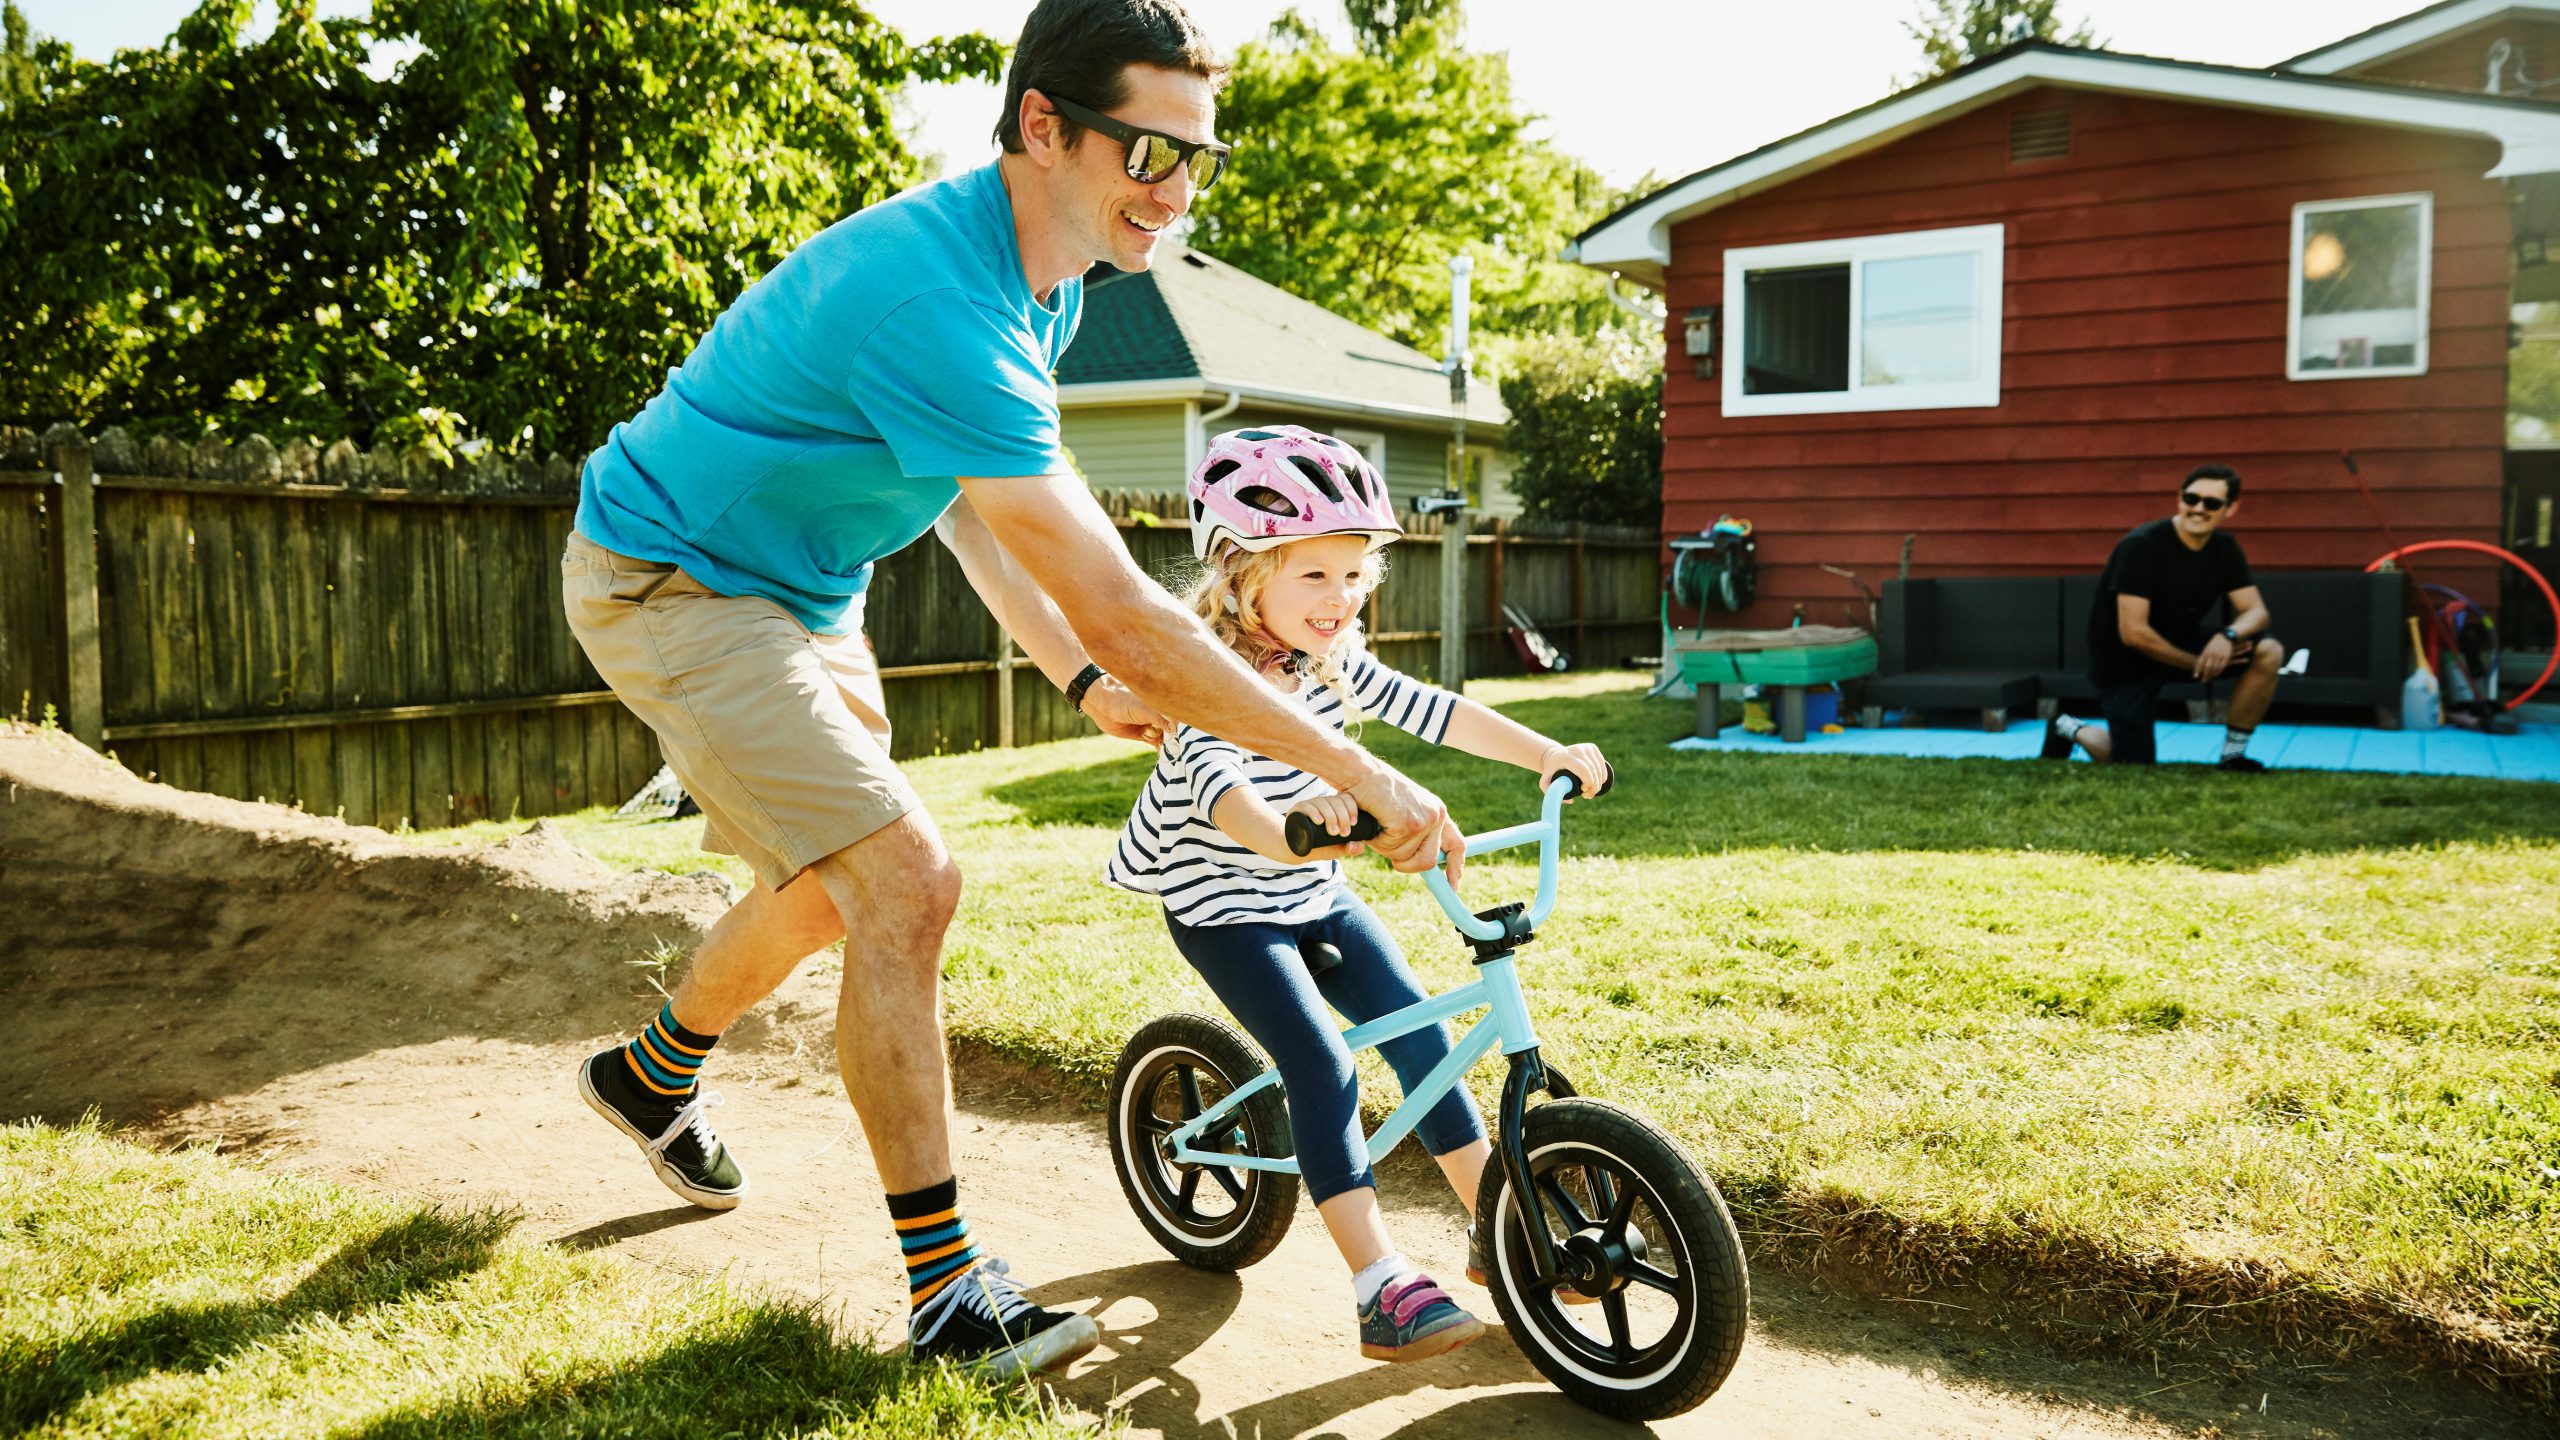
(982, 1322)
(674, 1135)
(2056, 747)
(2241, 765)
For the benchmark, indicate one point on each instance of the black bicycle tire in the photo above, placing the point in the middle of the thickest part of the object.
(1687, 1201)
(1272, 1197)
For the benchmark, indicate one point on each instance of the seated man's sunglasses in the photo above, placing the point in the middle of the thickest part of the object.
(1152, 157)
(2206, 503)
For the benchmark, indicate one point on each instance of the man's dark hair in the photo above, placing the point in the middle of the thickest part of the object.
(2223, 473)
(1078, 48)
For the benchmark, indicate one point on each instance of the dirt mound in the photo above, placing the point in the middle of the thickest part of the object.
(201, 945)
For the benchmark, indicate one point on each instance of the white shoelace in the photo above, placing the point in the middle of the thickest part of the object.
(690, 1118)
(997, 1297)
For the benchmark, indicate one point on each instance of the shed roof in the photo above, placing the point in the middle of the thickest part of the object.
(1193, 326)
(1636, 239)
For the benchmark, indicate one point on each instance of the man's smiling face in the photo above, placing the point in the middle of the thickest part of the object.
(1120, 218)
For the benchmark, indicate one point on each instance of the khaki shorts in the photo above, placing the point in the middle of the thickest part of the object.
(781, 735)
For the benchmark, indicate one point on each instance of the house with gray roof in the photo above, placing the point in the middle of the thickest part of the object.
(1193, 346)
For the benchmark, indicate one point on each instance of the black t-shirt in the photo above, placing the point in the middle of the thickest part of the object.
(2184, 586)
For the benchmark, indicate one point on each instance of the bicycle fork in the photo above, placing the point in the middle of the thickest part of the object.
(1528, 1074)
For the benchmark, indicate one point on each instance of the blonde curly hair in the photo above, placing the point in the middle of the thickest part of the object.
(1227, 593)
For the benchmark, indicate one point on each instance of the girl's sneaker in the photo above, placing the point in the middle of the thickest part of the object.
(1414, 1319)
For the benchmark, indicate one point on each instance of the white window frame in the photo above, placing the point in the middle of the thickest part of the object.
(1988, 244)
(2426, 203)
(1372, 445)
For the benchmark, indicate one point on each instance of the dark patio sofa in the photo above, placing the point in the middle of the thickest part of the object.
(1992, 645)
(1974, 644)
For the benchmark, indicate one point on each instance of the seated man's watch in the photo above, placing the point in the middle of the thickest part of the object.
(2231, 633)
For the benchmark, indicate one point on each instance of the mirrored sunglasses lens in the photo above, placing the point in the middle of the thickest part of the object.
(1152, 158)
(1205, 168)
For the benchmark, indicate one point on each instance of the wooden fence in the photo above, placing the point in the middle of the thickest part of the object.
(378, 638)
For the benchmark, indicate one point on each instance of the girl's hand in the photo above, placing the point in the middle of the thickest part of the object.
(1336, 814)
(1583, 762)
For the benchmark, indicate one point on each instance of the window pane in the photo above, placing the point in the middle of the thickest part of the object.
(2533, 377)
(1795, 328)
(2360, 288)
(1918, 321)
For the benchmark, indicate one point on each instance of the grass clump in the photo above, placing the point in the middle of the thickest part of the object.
(2288, 1045)
(154, 1293)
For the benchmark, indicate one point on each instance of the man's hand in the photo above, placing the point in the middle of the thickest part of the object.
(1123, 716)
(1414, 827)
(2214, 658)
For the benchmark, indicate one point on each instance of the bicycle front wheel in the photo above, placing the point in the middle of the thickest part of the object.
(1214, 1217)
(1647, 1235)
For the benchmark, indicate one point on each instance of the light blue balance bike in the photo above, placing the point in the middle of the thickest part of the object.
(1613, 1259)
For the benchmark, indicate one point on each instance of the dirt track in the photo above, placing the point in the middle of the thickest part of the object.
(338, 1002)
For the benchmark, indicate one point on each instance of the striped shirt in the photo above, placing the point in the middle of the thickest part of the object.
(1170, 850)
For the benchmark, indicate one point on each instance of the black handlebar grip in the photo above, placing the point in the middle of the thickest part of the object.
(1305, 834)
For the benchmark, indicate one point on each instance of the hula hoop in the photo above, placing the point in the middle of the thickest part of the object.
(2548, 598)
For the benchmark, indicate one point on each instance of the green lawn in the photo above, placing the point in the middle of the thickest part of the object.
(2289, 1044)
(187, 1294)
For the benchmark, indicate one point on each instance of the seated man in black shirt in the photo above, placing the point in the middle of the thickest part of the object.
(2152, 626)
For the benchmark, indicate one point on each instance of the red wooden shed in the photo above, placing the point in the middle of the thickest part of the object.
(2004, 312)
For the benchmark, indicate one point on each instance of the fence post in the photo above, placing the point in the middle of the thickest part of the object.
(1004, 689)
(1581, 643)
(84, 712)
(1453, 601)
(1493, 588)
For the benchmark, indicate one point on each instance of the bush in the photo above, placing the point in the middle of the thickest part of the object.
(1586, 428)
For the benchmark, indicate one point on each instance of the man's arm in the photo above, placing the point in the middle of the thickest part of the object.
(1025, 612)
(1060, 538)
(2133, 625)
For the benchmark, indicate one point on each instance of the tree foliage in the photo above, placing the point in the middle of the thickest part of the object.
(1586, 427)
(1360, 172)
(511, 234)
(1953, 33)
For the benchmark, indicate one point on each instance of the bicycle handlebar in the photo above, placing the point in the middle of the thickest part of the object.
(1304, 835)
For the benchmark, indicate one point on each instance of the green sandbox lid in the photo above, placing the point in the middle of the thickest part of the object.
(1791, 665)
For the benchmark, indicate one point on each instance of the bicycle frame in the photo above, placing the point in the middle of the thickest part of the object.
(1495, 935)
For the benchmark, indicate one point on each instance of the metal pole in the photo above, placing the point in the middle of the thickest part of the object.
(1454, 521)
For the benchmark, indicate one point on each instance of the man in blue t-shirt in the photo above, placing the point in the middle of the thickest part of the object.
(893, 375)
(2155, 623)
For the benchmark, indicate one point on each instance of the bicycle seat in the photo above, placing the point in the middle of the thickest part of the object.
(1319, 956)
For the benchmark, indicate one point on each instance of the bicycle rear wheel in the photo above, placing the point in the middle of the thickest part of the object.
(1210, 1216)
(1643, 1231)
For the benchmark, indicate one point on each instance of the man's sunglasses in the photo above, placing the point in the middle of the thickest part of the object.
(2206, 503)
(1152, 157)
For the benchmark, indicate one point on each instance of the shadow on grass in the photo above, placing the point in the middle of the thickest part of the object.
(768, 1369)
(1674, 803)
(40, 1380)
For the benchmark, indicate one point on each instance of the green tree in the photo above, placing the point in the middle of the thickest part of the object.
(1359, 173)
(25, 58)
(512, 236)
(1586, 426)
(1955, 32)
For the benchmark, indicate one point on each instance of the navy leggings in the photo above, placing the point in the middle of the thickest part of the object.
(1257, 970)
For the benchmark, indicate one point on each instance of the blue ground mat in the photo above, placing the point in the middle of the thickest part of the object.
(2533, 753)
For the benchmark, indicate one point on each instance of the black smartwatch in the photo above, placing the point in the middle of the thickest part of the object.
(2232, 634)
(1082, 683)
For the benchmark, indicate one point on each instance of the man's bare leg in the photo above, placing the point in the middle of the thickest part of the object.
(2256, 688)
(894, 894)
(751, 950)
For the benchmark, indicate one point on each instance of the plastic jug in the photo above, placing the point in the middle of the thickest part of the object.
(2421, 701)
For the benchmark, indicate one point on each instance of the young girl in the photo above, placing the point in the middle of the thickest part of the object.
(1288, 524)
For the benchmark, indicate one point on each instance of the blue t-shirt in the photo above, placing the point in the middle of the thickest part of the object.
(824, 421)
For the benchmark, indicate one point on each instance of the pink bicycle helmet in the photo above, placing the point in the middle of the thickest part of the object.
(1261, 488)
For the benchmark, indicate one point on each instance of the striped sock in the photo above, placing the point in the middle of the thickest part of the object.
(665, 1055)
(2235, 741)
(933, 1237)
